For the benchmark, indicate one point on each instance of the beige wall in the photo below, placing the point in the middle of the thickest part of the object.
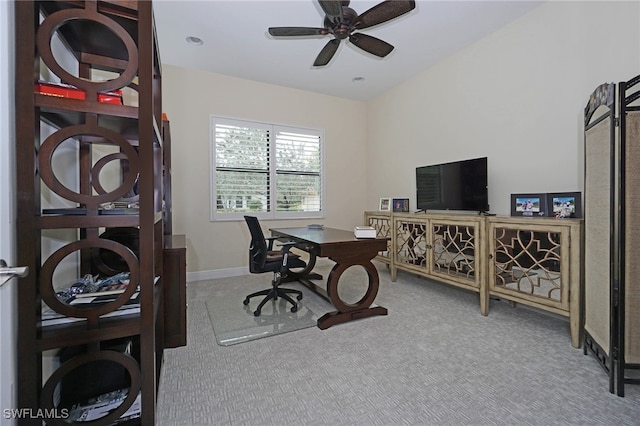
(190, 97)
(516, 96)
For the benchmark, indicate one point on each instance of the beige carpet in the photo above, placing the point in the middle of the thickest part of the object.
(434, 360)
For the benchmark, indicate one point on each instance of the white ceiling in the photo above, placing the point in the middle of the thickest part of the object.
(236, 41)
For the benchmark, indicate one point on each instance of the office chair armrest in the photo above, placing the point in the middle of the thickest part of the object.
(270, 240)
(287, 246)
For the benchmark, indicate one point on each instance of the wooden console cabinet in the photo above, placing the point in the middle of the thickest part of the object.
(533, 261)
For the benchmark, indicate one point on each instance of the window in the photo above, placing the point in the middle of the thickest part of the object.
(265, 170)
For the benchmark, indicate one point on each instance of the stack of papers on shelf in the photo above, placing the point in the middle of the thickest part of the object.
(364, 232)
(89, 300)
(95, 299)
(106, 290)
(51, 317)
(100, 406)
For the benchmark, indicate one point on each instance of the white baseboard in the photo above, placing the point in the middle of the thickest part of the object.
(217, 273)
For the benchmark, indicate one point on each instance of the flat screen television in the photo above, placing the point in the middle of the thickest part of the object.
(459, 185)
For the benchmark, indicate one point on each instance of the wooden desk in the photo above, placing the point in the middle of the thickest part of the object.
(346, 251)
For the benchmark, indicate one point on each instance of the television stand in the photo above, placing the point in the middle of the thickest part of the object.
(529, 261)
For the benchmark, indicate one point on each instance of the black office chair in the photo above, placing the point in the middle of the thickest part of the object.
(262, 258)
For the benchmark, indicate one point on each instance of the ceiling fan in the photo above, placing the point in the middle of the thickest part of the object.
(343, 22)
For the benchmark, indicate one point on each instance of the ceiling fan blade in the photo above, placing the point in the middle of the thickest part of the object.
(383, 12)
(327, 53)
(333, 9)
(370, 44)
(296, 31)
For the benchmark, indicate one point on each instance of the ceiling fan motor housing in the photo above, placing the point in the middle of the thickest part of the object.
(342, 29)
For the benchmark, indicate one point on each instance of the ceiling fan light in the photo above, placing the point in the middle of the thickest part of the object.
(196, 41)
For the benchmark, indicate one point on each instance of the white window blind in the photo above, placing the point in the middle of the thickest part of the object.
(265, 170)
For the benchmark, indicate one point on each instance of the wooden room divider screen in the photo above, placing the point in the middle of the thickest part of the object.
(612, 219)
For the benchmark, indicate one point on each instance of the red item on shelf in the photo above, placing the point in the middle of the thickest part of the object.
(72, 92)
(114, 97)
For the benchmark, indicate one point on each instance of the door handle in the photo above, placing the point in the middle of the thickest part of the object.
(6, 273)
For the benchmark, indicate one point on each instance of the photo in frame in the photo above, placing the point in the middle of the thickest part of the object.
(400, 204)
(385, 204)
(529, 205)
(563, 205)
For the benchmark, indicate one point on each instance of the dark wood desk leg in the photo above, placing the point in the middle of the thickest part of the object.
(304, 274)
(345, 311)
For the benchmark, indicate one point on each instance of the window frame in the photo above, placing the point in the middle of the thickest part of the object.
(272, 214)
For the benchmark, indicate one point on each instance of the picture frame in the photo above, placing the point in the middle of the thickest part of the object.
(400, 205)
(564, 205)
(385, 204)
(529, 205)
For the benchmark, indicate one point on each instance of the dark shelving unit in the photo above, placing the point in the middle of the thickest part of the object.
(118, 40)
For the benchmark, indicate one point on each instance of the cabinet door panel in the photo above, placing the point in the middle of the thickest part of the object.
(528, 262)
(411, 244)
(454, 251)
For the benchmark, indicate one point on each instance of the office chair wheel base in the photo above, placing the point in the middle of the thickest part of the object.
(245, 301)
(299, 297)
(294, 308)
(256, 313)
